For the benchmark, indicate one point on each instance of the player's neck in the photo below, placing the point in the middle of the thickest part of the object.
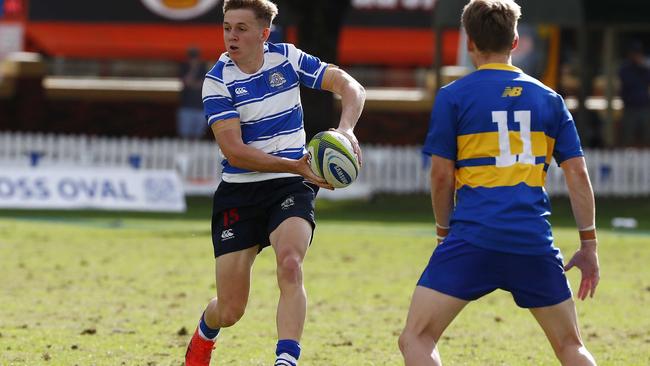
(252, 64)
(492, 58)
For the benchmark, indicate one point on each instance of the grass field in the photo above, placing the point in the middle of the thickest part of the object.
(95, 288)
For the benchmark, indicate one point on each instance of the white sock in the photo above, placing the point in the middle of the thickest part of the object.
(285, 359)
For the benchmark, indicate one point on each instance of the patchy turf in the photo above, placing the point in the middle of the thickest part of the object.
(115, 289)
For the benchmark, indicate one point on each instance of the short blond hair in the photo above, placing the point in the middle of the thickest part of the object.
(491, 24)
(264, 10)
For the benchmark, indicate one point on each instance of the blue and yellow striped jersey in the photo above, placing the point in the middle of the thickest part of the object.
(502, 127)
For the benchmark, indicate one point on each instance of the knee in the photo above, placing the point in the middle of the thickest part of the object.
(403, 341)
(230, 313)
(571, 348)
(290, 269)
(406, 340)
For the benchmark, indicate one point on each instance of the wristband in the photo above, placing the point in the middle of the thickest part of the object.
(589, 234)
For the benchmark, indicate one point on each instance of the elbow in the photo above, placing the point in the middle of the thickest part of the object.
(577, 172)
(578, 180)
(582, 176)
(440, 178)
(233, 157)
(359, 97)
(443, 173)
(352, 90)
(361, 93)
(575, 169)
(234, 162)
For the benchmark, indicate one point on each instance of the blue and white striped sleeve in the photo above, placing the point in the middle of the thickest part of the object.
(310, 68)
(217, 101)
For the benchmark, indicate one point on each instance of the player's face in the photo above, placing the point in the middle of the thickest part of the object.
(243, 35)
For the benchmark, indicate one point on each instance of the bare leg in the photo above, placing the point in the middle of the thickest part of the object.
(560, 323)
(430, 314)
(233, 276)
(290, 241)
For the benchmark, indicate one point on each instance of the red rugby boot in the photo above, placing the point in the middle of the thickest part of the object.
(198, 351)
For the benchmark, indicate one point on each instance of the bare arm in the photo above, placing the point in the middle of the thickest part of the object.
(443, 185)
(353, 97)
(228, 136)
(584, 210)
(580, 192)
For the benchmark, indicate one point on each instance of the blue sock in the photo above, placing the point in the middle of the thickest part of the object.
(288, 352)
(206, 332)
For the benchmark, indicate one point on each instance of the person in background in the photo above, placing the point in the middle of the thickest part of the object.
(190, 119)
(635, 81)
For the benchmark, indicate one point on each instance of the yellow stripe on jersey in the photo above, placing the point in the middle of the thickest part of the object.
(486, 144)
(550, 145)
(500, 66)
(490, 176)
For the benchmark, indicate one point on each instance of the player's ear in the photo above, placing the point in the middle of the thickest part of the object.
(266, 32)
(515, 42)
(471, 46)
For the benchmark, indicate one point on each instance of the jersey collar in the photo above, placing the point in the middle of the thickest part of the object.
(499, 66)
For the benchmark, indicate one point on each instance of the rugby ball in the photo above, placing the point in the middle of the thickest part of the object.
(333, 158)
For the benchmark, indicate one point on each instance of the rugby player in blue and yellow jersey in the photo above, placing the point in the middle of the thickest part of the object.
(251, 99)
(491, 139)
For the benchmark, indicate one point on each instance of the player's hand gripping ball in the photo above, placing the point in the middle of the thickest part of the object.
(333, 158)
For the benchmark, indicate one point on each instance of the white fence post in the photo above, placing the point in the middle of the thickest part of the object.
(389, 169)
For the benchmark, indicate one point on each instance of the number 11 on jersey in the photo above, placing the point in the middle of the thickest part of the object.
(506, 157)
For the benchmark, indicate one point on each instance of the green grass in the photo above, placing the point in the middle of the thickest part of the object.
(97, 288)
(382, 208)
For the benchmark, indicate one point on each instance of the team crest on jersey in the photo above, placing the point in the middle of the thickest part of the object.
(276, 79)
(287, 203)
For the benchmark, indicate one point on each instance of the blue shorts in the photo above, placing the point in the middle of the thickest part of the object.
(245, 214)
(460, 269)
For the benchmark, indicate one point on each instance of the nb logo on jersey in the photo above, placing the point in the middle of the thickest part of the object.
(514, 91)
(227, 234)
(241, 91)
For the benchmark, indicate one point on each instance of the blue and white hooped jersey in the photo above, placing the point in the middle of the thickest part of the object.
(502, 127)
(267, 103)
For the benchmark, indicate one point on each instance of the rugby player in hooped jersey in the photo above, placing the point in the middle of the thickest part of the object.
(251, 98)
(491, 139)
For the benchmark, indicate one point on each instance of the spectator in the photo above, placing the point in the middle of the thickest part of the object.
(635, 80)
(190, 120)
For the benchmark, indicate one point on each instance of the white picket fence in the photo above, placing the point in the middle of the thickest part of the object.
(196, 161)
(386, 169)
